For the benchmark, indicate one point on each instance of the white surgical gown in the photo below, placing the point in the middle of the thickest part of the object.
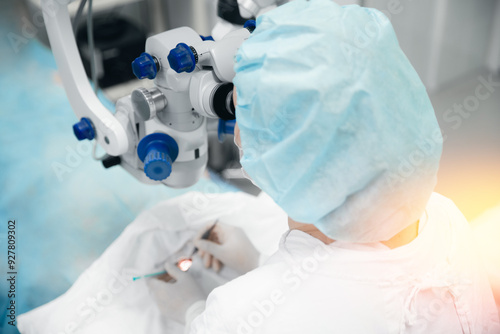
(435, 284)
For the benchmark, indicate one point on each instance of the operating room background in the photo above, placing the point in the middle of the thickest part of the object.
(63, 225)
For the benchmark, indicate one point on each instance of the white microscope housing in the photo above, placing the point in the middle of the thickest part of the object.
(166, 125)
(158, 135)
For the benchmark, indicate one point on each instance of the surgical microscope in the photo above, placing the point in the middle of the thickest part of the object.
(159, 135)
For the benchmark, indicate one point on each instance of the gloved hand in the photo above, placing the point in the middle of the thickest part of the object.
(230, 246)
(176, 296)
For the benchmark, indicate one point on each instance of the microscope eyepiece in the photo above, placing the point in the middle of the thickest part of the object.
(222, 101)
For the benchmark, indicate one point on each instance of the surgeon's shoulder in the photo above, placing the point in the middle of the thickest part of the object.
(440, 206)
(440, 201)
(228, 304)
(438, 198)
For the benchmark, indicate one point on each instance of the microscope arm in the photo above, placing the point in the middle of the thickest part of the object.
(109, 133)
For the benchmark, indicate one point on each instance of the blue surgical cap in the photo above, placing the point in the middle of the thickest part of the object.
(336, 126)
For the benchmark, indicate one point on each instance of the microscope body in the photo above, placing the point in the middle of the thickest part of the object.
(159, 135)
(178, 105)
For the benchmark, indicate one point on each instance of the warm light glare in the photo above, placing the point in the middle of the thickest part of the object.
(184, 264)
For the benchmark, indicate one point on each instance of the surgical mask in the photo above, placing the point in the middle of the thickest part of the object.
(245, 174)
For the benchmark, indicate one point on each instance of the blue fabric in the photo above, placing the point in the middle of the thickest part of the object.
(62, 225)
(336, 126)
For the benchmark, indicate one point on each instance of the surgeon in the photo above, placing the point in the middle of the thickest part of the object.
(336, 127)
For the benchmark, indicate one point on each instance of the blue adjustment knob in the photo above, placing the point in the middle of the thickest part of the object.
(182, 58)
(145, 66)
(84, 129)
(158, 151)
(250, 25)
(206, 38)
(225, 127)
